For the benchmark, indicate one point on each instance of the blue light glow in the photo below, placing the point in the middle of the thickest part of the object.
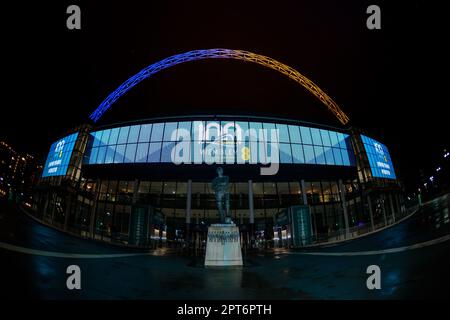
(379, 158)
(59, 156)
(154, 143)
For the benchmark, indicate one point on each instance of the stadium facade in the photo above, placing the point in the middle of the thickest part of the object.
(148, 181)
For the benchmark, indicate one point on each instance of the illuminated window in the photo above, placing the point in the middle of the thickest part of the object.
(130, 153)
(101, 155)
(166, 153)
(341, 139)
(93, 156)
(110, 152)
(105, 137)
(133, 134)
(170, 129)
(320, 155)
(123, 135)
(142, 152)
(213, 131)
(345, 157)
(325, 138)
(298, 144)
(197, 148)
(154, 151)
(297, 153)
(268, 127)
(334, 139)
(337, 156)
(255, 126)
(157, 132)
(144, 135)
(184, 126)
(329, 155)
(294, 134)
(183, 152)
(114, 135)
(97, 138)
(244, 128)
(283, 133)
(317, 140)
(198, 130)
(263, 152)
(285, 153)
(306, 135)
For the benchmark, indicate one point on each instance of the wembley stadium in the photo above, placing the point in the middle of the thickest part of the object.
(148, 182)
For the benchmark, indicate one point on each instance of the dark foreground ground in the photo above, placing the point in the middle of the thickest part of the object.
(415, 268)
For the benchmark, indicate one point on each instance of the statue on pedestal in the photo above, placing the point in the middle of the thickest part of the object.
(220, 185)
(223, 245)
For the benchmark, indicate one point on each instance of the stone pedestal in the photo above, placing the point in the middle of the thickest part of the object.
(223, 246)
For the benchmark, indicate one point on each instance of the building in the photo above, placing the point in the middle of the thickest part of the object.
(146, 181)
(112, 182)
(19, 172)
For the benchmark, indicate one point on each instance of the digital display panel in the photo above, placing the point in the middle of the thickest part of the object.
(379, 159)
(229, 142)
(59, 156)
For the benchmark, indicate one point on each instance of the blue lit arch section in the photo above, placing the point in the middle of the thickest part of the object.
(220, 54)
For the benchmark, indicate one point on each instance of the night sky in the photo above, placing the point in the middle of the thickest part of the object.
(390, 82)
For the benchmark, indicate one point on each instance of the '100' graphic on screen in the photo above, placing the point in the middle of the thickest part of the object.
(58, 158)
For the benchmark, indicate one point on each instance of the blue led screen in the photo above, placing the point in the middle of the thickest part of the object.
(59, 156)
(379, 159)
(229, 141)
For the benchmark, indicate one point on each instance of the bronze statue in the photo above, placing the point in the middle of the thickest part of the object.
(220, 185)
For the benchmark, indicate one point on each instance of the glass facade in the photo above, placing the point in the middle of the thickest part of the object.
(113, 204)
(220, 142)
(103, 209)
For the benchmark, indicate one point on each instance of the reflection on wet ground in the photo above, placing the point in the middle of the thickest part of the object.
(417, 273)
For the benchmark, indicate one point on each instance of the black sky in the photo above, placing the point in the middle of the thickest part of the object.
(390, 82)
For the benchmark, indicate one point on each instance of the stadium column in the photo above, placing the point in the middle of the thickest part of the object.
(383, 209)
(188, 209)
(94, 209)
(344, 207)
(305, 201)
(369, 203)
(67, 211)
(44, 212)
(135, 191)
(392, 207)
(150, 227)
(251, 208)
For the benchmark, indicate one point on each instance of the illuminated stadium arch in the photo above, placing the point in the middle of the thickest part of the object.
(220, 54)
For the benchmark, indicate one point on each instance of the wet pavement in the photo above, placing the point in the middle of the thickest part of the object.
(413, 273)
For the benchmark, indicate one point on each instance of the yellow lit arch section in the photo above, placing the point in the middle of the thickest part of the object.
(220, 54)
